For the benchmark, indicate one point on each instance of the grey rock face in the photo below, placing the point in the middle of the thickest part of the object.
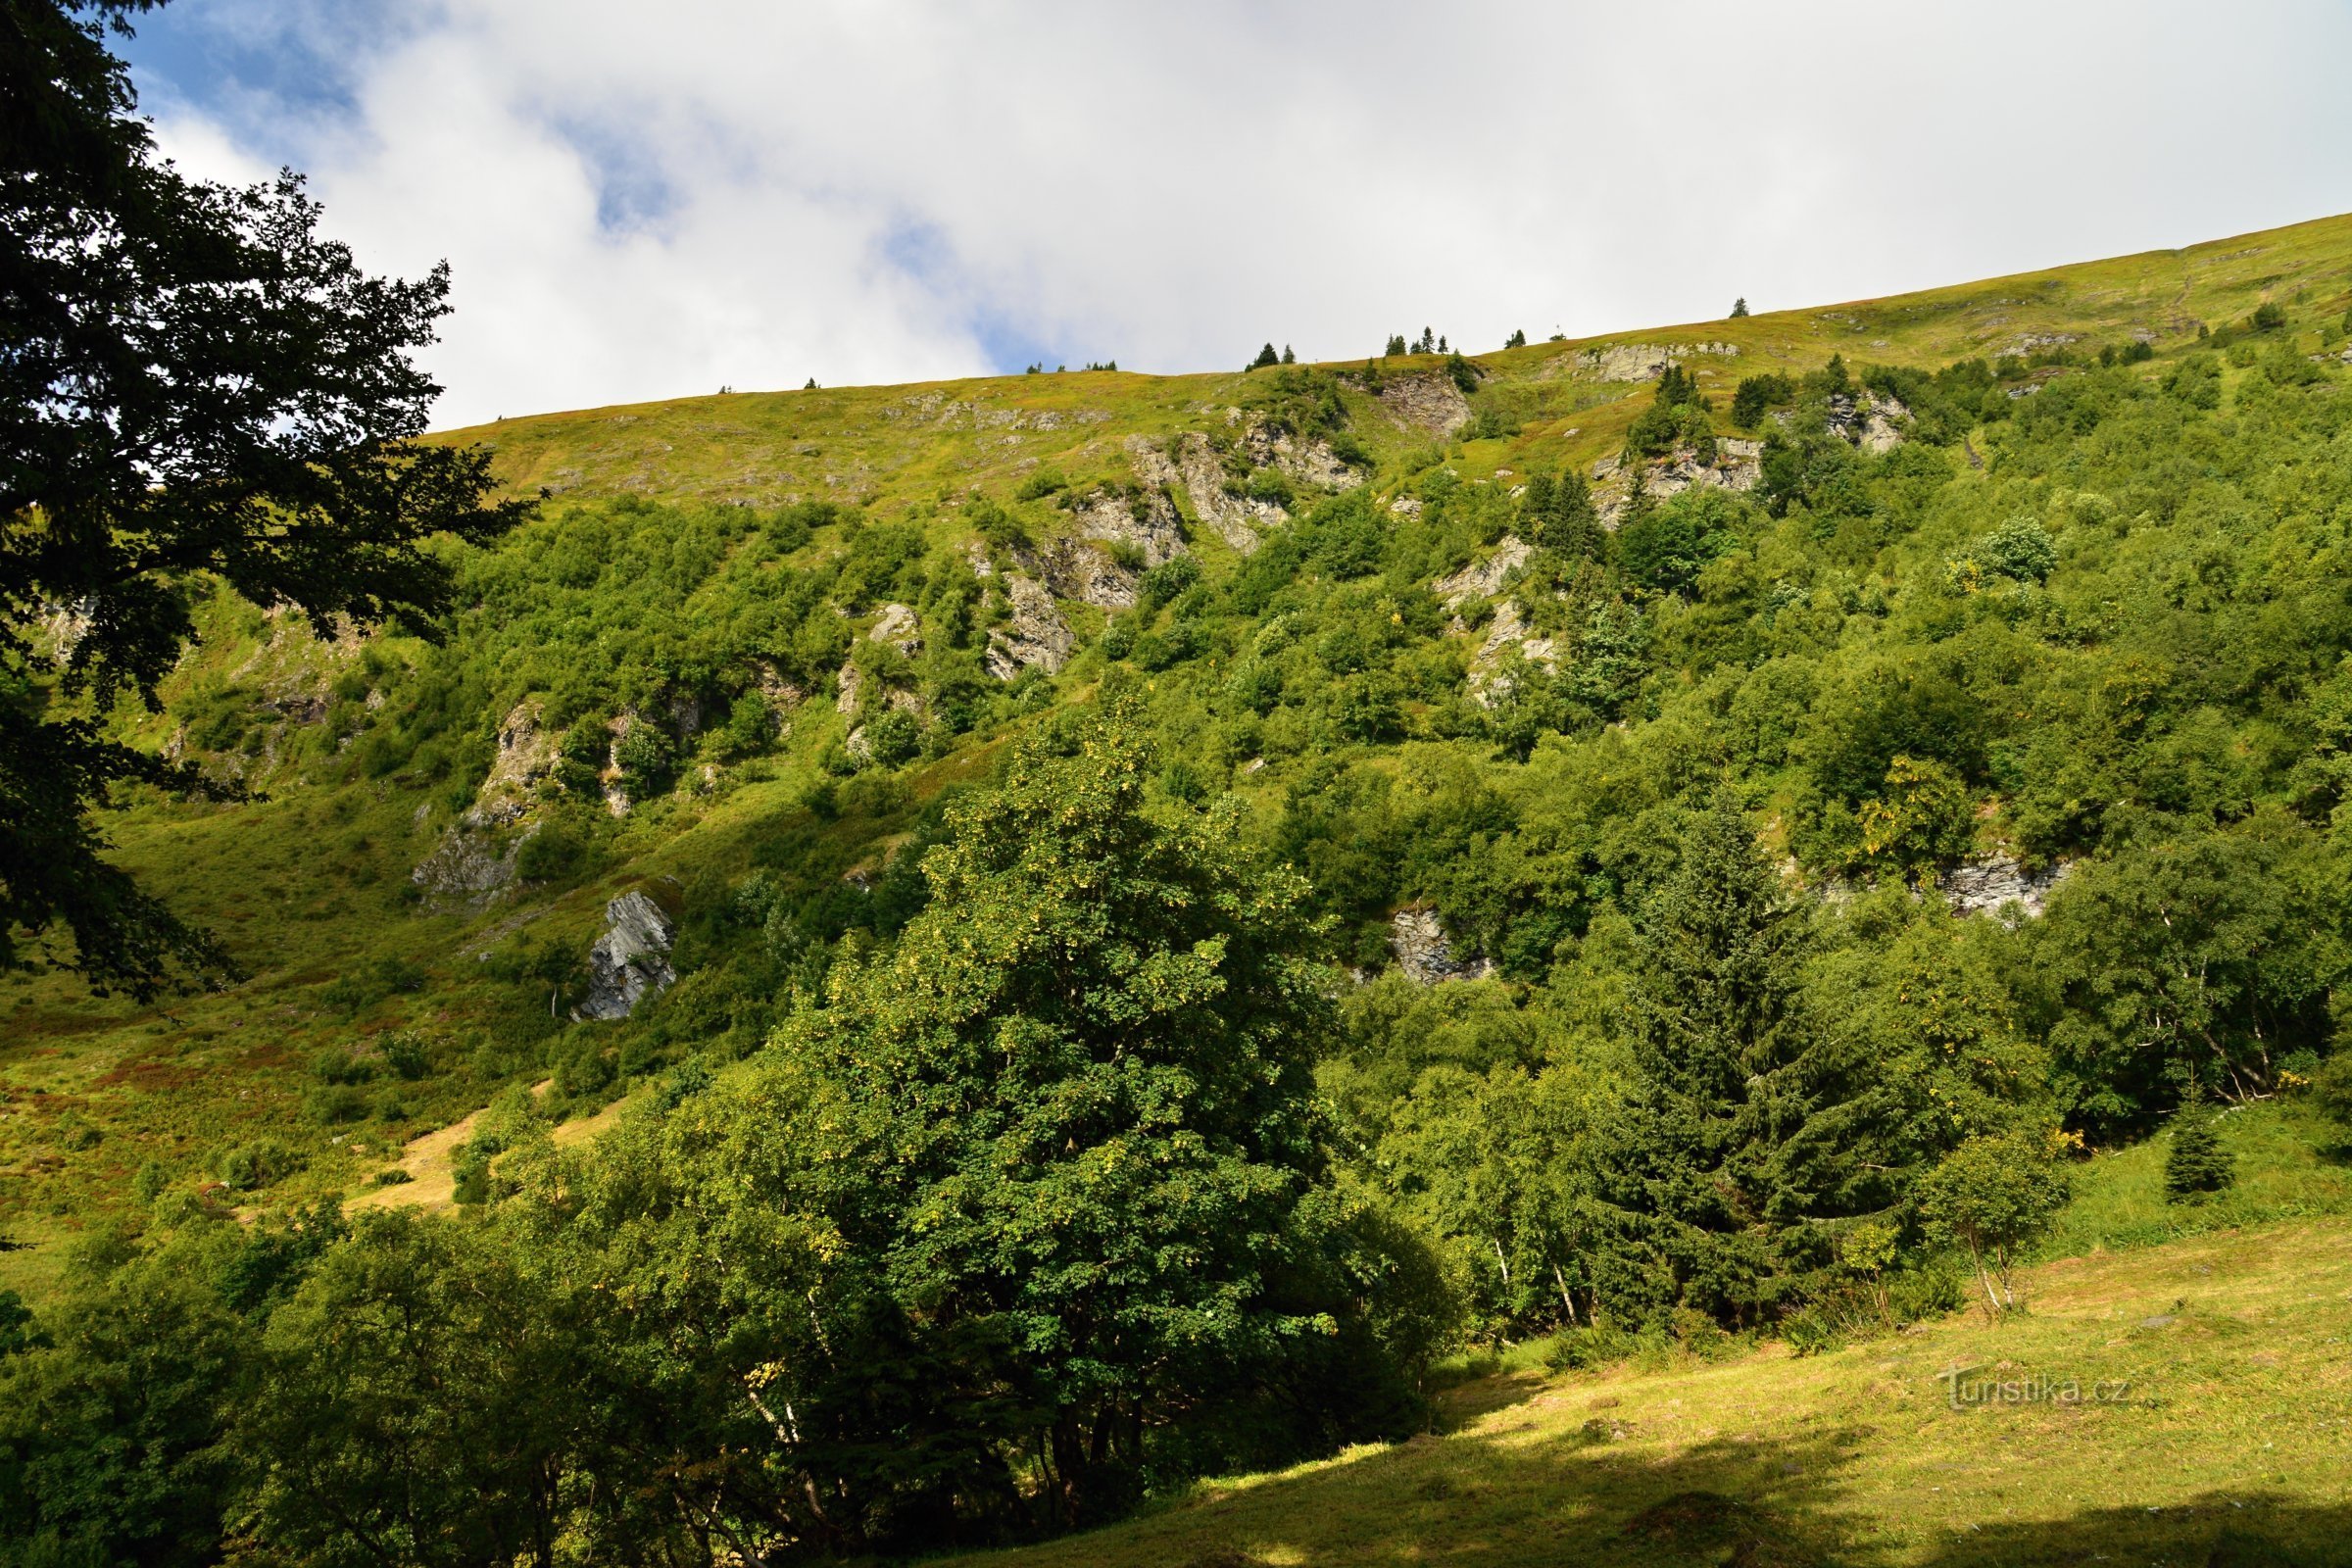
(1642, 361)
(630, 961)
(1431, 403)
(1151, 525)
(1036, 635)
(1418, 940)
(1988, 885)
(1080, 569)
(469, 868)
(1737, 465)
(1483, 579)
(1489, 669)
(898, 626)
(1194, 464)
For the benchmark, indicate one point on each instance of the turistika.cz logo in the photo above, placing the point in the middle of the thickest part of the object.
(1965, 1392)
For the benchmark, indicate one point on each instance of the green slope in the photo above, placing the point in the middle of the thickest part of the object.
(368, 752)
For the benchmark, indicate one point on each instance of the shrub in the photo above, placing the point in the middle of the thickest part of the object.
(404, 1052)
(2332, 1086)
(893, 738)
(251, 1166)
(552, 854)
(2197, 381)
(648, 759)
(2268, 317)
(1991, 1197)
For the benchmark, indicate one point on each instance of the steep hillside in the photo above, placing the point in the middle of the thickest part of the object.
(752, 639)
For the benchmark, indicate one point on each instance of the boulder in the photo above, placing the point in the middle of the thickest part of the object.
(898, 626)
(630, 961)
(1418, 940)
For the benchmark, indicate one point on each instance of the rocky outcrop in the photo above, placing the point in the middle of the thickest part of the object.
(474, 861)
(1083, 571)
(1869, 420)
(1483, 579)
(1423, 951)
(1642, 361)
(469, 868)
(1148, 522)
(1737, 465)
(526, 755)
(1190, 464)
(630, 961)
(1035, 637)
(779, 691)
(1491, 668)
(1431, 403)
(1992, 883)
(1309, 462)
(897, 627)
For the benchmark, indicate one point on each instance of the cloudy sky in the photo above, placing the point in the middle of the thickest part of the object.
(643, 201)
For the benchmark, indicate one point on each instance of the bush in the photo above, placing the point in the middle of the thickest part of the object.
(405, 1054)
(2332, 1086)
(893, 739)
(553, 854)
(333, 1105)
(2268, 317)
(249, 1167)
(648, 759)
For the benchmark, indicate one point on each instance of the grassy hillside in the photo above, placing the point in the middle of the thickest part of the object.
(2215, 1425)
(919, 968)
(889, 446)
(669, 552)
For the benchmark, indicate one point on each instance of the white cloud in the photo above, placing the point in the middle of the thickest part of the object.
(644, 201)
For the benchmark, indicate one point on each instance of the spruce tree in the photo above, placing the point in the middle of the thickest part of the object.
(1560, 514)
(1738, 306)
(1265, 357)
(2196, 1163)
(1746, 1123)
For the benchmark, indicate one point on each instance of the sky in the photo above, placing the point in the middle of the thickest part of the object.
(647, 201)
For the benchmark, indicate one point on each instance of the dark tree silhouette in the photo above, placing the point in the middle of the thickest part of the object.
(194, 388)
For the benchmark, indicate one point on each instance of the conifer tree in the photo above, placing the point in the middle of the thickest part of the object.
(1745, 1125)
(1560, 514)
(1738, 306)
(1265, 357)
(2196, 1163)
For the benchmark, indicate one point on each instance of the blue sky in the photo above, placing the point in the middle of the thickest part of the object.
(642, 202)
